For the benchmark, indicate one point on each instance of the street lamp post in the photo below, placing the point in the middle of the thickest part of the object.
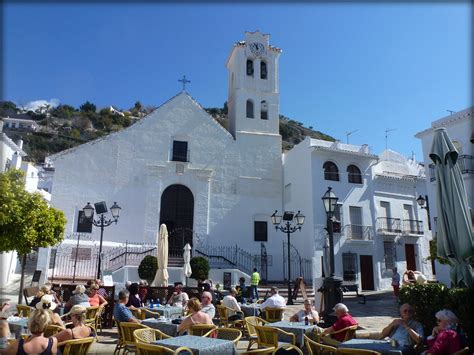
(331, 284)
(288, 227)
(102, 222)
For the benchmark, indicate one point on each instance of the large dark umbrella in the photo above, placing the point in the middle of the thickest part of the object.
(454, 233)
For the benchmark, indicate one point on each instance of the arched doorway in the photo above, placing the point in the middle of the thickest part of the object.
(177, 212)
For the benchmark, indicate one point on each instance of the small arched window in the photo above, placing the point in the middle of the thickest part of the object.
(263, 70)
(249, 109)
(353, 174)
(249, 67)
(263, 110)
(331, 172)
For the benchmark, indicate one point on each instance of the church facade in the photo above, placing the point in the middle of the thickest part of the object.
(180, 167)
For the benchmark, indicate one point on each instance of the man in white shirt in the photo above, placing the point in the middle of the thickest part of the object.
(231, 302)
(207, 306)
(274, 301)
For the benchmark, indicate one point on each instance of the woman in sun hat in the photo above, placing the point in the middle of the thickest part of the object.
(79, 330)
(79, 297)
(47, 303)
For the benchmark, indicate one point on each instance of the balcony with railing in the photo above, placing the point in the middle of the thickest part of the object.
(387, 225)
(358, 232)
(412, 227)
(465, 163)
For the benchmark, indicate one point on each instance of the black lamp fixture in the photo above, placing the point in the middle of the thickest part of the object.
(102, 222)
(421, 202)
(330, 202)
(291, 224)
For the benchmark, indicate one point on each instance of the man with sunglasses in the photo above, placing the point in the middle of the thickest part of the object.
(405, 330)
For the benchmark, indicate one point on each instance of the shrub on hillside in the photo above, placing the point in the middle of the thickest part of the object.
(147, 268)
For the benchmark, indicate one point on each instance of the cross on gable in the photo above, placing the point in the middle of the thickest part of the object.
(184, 81)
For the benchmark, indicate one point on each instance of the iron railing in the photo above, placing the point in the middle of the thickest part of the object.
(300, 267)
(411, 226)
(358, 232)
(388, 225)
(465, 163)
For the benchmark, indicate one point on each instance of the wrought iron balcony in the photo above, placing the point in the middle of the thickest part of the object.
(358, 232)
(465, 163)
(389, 225)
(411, 226)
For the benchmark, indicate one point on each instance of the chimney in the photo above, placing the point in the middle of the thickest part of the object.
(19, 143)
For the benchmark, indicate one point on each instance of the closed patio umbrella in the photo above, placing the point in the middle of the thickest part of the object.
(187, 260)
(454, 233)
(161, 277)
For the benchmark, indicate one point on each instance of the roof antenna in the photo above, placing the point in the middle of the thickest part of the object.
(451, 112)
(386, 136)
(348, 134)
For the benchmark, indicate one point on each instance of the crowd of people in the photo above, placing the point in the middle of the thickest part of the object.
(404, 331)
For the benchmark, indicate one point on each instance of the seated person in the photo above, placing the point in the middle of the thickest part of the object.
(197, 316)
(444, 339)
(94, 298)
(231, 302)
(46, 303)
(344, 320)
(308, 311)
(143, 290)
(207, 306)
(79, 330)
(134, 300)
(36, 343)
(405, 330)
(274, 301)
(178, 298)
(121, 312)
(79, 297)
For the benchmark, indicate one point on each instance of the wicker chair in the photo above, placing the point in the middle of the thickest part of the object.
(201, 329)
(76, 346)
(23, 311)
(231, 334)
(147, 313)
(262, 351)
(273, 315)
(151, 349)
(315, 348)
(52, 330)
(350, 334)
(350, 351)
(464, 351)
(288, 347)
(267, 337)
(224, 321)
(149, 335)
(92, 318)
(126, 337)
(250, 323)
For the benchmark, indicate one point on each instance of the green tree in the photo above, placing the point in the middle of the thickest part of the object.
(88, 107)
(63, 111)
(147, 268)
(26, 220)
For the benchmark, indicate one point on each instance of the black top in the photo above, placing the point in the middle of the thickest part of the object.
(46, 351)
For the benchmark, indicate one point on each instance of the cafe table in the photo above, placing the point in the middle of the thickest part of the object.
(199, 345)
(249, 310)
(162, 325)
(17, 325)
(167, 311)
(299, 329)
(382, 346)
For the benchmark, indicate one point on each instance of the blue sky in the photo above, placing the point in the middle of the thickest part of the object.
(344, 67)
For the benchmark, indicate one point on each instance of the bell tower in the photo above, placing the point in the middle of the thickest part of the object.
(254, 97)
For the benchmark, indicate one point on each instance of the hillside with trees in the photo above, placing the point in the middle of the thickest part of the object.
(65, 126)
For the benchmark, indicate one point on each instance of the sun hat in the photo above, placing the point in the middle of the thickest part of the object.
(46, 303)
(79, 289)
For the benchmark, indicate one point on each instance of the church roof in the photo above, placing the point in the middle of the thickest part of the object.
(53, 157)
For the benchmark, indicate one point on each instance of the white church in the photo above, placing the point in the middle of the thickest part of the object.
(216, 189)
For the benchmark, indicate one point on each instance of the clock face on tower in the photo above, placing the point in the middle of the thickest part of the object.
(257, 48)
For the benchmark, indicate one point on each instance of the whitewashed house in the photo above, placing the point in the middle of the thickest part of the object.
(460, 128)
(180, 167)
(379, 223)
(20, 124)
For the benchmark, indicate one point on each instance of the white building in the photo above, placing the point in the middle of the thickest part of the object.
(460, 128)
(180, 167)
(20, 124)
(380, 224)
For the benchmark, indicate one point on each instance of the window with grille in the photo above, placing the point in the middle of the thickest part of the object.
(263, 70)
(331, 172)
(249, 67)
(180, 151)
(390, 257)
(354, 175)
(249, 109)
(260, 231)
(263, 110)
(349, 266)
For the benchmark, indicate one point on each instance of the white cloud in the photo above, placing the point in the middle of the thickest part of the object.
(34, 105)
